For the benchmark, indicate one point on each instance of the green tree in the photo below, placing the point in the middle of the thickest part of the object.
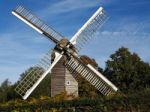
(5, 84)
(7, 91)
(44, 88)
(127, 70)
(85, 88)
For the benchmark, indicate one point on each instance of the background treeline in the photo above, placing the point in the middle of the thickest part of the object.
(125, 69)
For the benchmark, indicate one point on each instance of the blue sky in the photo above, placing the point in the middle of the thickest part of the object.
(22, 47)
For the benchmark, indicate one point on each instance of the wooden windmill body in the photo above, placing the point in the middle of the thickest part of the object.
(62, 80)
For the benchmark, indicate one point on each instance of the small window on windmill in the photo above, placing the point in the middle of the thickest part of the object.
(68, 82)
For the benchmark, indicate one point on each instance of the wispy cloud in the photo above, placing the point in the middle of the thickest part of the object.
(129, 35)
(66, 6)
(19, 53)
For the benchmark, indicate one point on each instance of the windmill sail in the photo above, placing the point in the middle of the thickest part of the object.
(100, 82)
(89, 29)
(38, 25)
(33, 78)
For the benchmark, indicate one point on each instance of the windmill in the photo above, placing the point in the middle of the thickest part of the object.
(64, 49)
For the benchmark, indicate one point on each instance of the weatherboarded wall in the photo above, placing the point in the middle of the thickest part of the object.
(62, 80)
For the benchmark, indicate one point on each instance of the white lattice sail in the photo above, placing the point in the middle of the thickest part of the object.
(32, 79)
(99, 81)
(36, 23)
(88, 30)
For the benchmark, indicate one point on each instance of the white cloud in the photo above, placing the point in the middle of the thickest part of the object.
(65, 6)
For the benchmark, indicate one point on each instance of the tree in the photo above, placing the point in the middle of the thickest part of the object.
(85, 88)
(127, 71)
(87, 60)
(5, 84)
(6, 91)
(44, 88)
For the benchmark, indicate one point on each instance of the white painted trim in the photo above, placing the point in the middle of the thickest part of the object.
(28, 23)
(73, 39)
(42, 77)
(103, 77)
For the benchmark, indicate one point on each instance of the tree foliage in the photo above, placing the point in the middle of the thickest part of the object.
(135, 102)
(44, 88)
(7, 91)
(87, 60)
(128, 71)
(85, 88)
